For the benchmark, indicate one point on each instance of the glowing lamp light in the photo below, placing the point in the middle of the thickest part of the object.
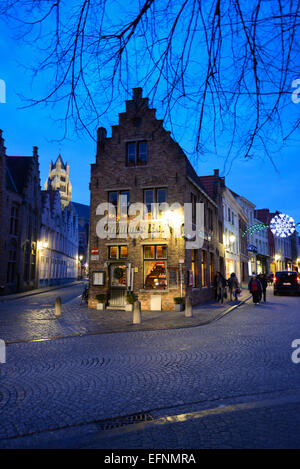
(282, 225)
(232, 238)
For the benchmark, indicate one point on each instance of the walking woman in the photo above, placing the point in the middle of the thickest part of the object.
(255, 288)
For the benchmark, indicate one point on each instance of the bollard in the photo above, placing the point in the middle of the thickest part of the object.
(58, 307)
(188, 308)
(137, 315)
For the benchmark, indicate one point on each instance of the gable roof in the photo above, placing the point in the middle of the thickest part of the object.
(19, 168)
(83, 211)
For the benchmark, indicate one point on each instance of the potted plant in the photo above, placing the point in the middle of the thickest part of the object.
(101, 297)
(178, 303)
(130, 298)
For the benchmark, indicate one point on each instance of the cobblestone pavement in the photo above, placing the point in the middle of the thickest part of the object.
(32, 318)
(231, 383)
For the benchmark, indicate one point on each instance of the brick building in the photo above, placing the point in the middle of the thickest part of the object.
(141, 163)
(19, 220)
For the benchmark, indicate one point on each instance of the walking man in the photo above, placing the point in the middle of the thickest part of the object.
(220, 284)
(264, 283)
(233, 285)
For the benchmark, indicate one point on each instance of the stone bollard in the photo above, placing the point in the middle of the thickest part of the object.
(137, 315)
(57, 311)
(188, 308)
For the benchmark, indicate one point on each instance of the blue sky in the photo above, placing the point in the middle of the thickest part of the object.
(255, 179)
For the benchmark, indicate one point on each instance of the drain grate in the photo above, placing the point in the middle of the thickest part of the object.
(119, 422)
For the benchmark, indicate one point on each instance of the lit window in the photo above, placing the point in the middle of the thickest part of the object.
(155, 270)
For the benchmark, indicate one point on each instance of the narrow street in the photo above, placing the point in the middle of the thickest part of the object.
(230, 383)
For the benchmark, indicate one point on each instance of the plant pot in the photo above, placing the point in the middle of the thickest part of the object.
(129, 307)
(101, 306)
(178, 307)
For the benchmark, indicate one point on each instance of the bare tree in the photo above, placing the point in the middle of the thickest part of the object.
(226, 66)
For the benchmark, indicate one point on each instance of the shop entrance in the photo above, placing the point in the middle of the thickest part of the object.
(117, 285)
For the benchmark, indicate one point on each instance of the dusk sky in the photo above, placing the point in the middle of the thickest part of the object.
(255, 179)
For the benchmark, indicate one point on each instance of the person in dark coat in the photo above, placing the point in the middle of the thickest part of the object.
(220, 284)
(233, 285)
(255, 289)
(264, 283)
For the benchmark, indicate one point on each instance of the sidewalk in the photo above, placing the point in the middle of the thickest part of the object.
(78, 320)
(37, 291)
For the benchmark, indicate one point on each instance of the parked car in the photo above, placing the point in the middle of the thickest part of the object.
(286, 281)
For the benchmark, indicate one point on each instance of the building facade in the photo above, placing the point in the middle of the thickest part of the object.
(83, 214)
(20, 207)
(58, 242)
(235, 219)
(141, 163)
(59, 179)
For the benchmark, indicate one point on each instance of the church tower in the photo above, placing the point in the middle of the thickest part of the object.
(59, 178)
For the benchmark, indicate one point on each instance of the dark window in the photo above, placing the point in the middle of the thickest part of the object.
(14, 216)
(194, 204)
(120, 200)
(12, 259)
(154, 196)
(137, 154)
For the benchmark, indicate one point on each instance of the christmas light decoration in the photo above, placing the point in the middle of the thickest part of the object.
(282, 225)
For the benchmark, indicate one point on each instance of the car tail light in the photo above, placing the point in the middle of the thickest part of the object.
(298, 279)
(274, 279)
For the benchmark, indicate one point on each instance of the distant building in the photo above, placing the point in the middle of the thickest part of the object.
(59, 179)
(58, 243)
(20, 206)
(83, 213)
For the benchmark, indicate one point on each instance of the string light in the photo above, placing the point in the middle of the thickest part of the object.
(281, 225)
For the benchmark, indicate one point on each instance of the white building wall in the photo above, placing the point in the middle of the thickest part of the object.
(58, 245)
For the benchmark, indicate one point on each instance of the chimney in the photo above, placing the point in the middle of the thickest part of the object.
(137, 94)
(216, 173)
(101, 137)
(35, 152)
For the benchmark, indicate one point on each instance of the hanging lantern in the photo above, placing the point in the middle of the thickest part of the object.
(282, 225)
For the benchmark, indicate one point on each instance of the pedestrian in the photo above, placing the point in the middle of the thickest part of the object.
(264, 283)
(220, 284)
(255, 289)
(233, 285)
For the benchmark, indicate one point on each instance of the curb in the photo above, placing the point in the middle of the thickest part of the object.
(231, 309)
(44, 339)
(12, 297)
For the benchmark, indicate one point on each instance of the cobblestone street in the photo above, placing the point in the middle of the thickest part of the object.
(32, 317)
(229, 383)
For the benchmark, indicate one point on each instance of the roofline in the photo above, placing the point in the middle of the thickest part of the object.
(202, 191)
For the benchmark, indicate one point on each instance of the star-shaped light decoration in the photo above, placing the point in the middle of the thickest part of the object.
(282, 225)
